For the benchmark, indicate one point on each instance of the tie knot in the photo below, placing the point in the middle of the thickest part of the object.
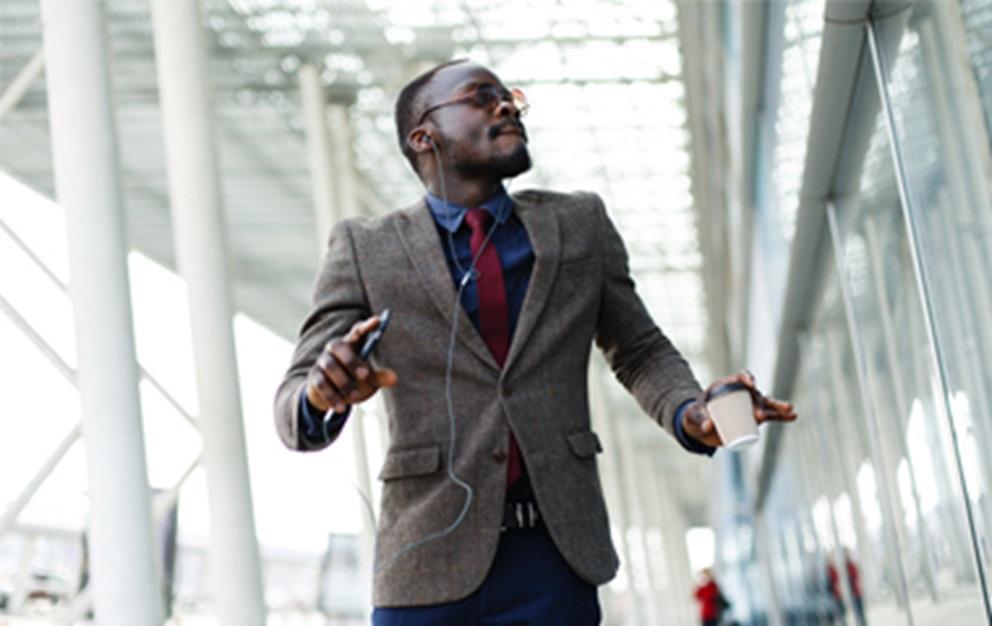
(477, 219)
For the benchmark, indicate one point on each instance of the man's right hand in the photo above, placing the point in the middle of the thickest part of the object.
(340, 377)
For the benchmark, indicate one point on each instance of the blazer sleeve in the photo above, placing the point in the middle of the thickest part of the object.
(339, 300)
(641, 356)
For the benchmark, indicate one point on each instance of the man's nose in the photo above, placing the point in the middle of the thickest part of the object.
(506, 107)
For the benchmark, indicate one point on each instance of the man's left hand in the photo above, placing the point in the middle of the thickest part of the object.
(697, 424)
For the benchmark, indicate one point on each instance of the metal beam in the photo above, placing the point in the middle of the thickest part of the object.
(21, 83)
(43, 345)
(839, 126)
(17, 505)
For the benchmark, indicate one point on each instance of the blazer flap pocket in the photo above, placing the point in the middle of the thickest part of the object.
(585, 444)
(414, 462)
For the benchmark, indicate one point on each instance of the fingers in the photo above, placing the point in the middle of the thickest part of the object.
(321, 393)
(743, 377)
(340, 377)
(699, 426)
(352, 375)
(775, 410)
(362, 328)
(384, 378)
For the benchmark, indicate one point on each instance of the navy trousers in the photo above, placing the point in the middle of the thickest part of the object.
(530, 584)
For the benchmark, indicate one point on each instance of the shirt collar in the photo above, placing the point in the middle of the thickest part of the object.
(450, 215)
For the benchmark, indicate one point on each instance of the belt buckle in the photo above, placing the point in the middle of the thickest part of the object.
(521, 515)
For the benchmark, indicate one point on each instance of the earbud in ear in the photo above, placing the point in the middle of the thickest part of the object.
(429, 139)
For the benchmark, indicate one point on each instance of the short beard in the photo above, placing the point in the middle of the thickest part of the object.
(514, 164)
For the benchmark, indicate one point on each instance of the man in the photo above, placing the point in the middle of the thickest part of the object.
(492, 510)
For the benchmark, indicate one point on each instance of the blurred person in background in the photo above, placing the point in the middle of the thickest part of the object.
(712, 603)
(854, 582)
(834, 593)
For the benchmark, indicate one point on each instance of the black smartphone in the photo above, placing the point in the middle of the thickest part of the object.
(373, 338)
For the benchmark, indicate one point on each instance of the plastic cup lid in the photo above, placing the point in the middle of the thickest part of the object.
(724, 389)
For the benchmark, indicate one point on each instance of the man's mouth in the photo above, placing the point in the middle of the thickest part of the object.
(508, 128)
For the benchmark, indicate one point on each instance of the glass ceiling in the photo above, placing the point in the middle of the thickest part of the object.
(607, 107)
(800, 58)
(607, 115)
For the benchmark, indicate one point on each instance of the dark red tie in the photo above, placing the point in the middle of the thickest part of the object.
(494, 315)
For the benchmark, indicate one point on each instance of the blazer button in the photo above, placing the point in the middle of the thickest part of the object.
(499, 456)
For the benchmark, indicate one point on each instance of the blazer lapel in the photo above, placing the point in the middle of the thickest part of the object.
(423, 246)
(541, 223)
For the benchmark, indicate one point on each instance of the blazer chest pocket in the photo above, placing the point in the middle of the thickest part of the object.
(585, 444)
(409, 463)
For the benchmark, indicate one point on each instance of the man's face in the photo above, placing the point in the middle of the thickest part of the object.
(476, 141)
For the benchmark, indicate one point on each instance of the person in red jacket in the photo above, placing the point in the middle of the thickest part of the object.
(711, 601)
(834, 592)
(854, 581)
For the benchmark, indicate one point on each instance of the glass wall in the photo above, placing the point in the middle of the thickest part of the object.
(878, 510)
(915, 458)
(944, 150)
(834, 554)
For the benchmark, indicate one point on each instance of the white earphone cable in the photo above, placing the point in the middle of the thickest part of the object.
(466, 276)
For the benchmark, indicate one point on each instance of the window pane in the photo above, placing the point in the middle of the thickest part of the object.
(916, 463)
(977, 16)
(945, 150)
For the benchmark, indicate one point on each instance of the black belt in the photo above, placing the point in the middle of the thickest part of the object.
(520, 516)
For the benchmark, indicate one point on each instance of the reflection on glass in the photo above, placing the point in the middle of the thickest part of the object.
(977, 16)
(800, 56)
(913, 457)
(943, 139)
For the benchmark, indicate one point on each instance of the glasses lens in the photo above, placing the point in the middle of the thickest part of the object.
(519, 101)
(487, 96)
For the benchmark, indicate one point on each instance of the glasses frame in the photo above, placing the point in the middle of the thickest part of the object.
(514, 96)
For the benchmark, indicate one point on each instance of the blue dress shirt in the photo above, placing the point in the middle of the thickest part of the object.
(516, 256)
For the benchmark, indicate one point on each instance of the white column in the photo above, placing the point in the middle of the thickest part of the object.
(318, 151)
(643, 586)
(339, 124)
(677, 553)
(201, 249)
(332, 178)
(615, 479)
(87, 183)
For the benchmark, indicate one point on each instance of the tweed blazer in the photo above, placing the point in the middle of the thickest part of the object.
(580, 292)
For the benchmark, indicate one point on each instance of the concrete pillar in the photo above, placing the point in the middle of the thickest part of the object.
(635, 492)
(765, 555)
(604, 418)
(201, 249)
(332, 178)
(318, 151)
(339, 124)
(87, 181)
(676, 551)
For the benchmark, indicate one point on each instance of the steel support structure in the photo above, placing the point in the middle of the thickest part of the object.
(201, 254)
(332, 175)
(87, 180)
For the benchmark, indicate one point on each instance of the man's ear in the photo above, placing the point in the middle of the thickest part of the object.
(420, 140)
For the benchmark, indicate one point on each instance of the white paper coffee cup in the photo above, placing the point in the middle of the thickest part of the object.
(730, 407)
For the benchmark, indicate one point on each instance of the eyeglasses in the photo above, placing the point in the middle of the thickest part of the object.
(485, 96)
